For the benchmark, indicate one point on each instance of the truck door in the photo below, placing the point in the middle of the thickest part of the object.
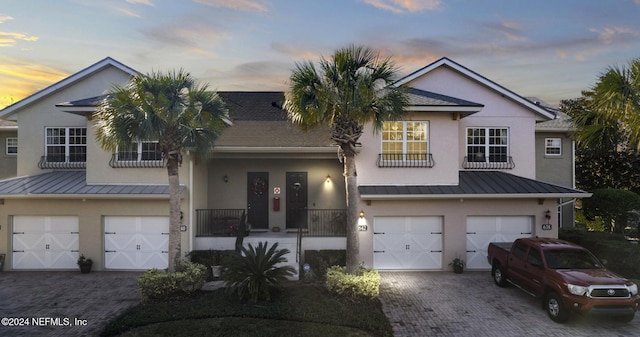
(533, 271)
(517, 261)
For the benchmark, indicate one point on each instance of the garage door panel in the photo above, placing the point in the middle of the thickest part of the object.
(136, 243)
(407, 243)
(481, 230)
(45, 242)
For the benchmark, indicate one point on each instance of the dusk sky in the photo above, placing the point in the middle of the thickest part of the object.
(549, 49)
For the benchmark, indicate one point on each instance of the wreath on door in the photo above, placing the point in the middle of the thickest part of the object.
(258, 187)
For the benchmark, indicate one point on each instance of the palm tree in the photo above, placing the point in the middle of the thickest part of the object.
(172, 109)
(616, 96)
(350, 89)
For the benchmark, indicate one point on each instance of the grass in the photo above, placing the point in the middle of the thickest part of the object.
(295, 310)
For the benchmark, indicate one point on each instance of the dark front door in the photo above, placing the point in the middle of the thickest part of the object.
(296, 199)
(258, 199)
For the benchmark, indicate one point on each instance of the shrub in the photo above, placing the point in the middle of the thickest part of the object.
(321, 260)
(158, 285)
(254, 273)
(365, 285)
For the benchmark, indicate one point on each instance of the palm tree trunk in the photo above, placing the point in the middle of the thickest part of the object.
(174, 214)
(351, 185)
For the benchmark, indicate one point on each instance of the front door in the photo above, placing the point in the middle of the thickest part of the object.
(296, 199)
(258, 199)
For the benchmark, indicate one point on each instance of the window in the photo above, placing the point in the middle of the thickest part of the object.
(488, 145)
(553, 146)
(140, 151)
(405, 141)
(66, 145)
(519, 250)
(12, 146)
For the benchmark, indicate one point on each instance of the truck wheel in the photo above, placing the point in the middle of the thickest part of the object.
(555, 309)
(499, 277)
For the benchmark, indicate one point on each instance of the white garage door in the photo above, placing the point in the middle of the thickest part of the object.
(481, 230)
(136, 243)
(404, 243)
(45, 242)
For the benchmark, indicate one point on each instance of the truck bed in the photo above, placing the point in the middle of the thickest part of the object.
(503, 245)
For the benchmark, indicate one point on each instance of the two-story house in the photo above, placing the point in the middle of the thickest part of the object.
(458, 172)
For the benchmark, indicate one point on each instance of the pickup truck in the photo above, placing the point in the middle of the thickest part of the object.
(567, 277)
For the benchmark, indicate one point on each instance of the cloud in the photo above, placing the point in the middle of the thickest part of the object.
(191, 35)
(512, 30)
(21, 79)
(294, 52)
(9, 39)
(612, 34)
(141, 2)
(4, 18)
(402, 6)
(241, 5)
(127, 12)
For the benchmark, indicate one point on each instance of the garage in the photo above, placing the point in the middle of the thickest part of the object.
(136, 243)
(407, 243)
(45, 242)
(481, 230)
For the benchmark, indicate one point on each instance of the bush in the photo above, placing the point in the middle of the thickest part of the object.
(158, 285)
(365, 285)
(253, 274)
(321, 260)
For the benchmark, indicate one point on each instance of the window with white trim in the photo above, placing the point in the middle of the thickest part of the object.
(12, 146)
(140, 151)
(405, 140)
(553, 146)
(488, 145)
(64, 145)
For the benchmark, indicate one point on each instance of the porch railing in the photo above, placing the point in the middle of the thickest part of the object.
(217, 222)
(319, 222)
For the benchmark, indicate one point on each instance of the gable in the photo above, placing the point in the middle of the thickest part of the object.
(448, 77)
(11, 110)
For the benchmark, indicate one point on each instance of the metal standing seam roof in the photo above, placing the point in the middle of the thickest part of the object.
(75, 183)
(475, 184)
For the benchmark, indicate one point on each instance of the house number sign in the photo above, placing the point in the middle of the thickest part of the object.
(546, 226)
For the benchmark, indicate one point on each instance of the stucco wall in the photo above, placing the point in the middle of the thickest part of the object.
(555, 169)
(90, 212)
(8, 163)
(454, 213)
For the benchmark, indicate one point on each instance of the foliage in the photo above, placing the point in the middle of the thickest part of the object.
(254, 273)
(350, 89)
(84, 261)
(209, 257)
(321, 260)
(216, 313)
(158, 285)
(621, 256)
(364, 285)
(612, 206)
(169, 108)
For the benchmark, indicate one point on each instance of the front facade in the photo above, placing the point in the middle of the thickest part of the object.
(457, 173)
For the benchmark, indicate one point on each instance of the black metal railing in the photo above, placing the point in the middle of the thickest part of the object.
(62, 163)
(405, 160)
(508, 164)
(313, 222)
(217, 222)
(115, 163)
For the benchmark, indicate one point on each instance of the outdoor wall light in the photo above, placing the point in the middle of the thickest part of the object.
(328, 180)
(547, 215)
(225, 178)
(361, 214)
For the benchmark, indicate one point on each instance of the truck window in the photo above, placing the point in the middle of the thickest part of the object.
(534, 257)
(570, 259)
(519, 250)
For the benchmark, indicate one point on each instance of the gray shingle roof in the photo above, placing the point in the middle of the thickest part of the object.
(475, 184)
(419, 97)
(74, 183)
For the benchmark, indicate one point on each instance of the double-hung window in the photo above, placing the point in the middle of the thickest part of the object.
(487, 145)
(140, 151)
(553, 146)
(66, 145)
(11, 146)
(405, 144)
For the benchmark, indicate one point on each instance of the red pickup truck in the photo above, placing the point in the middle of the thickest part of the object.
(566, 276)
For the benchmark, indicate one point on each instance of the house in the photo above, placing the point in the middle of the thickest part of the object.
(457, 173)
(9, 146)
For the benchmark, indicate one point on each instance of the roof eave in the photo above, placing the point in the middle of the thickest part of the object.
(474, 196)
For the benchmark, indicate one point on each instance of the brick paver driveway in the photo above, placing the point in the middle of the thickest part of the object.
(470, 304)
(64, 303)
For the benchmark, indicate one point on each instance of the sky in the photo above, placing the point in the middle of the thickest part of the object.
(550, 49)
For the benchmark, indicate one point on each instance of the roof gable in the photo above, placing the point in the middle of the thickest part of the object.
(446, 62)
(84, 73)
